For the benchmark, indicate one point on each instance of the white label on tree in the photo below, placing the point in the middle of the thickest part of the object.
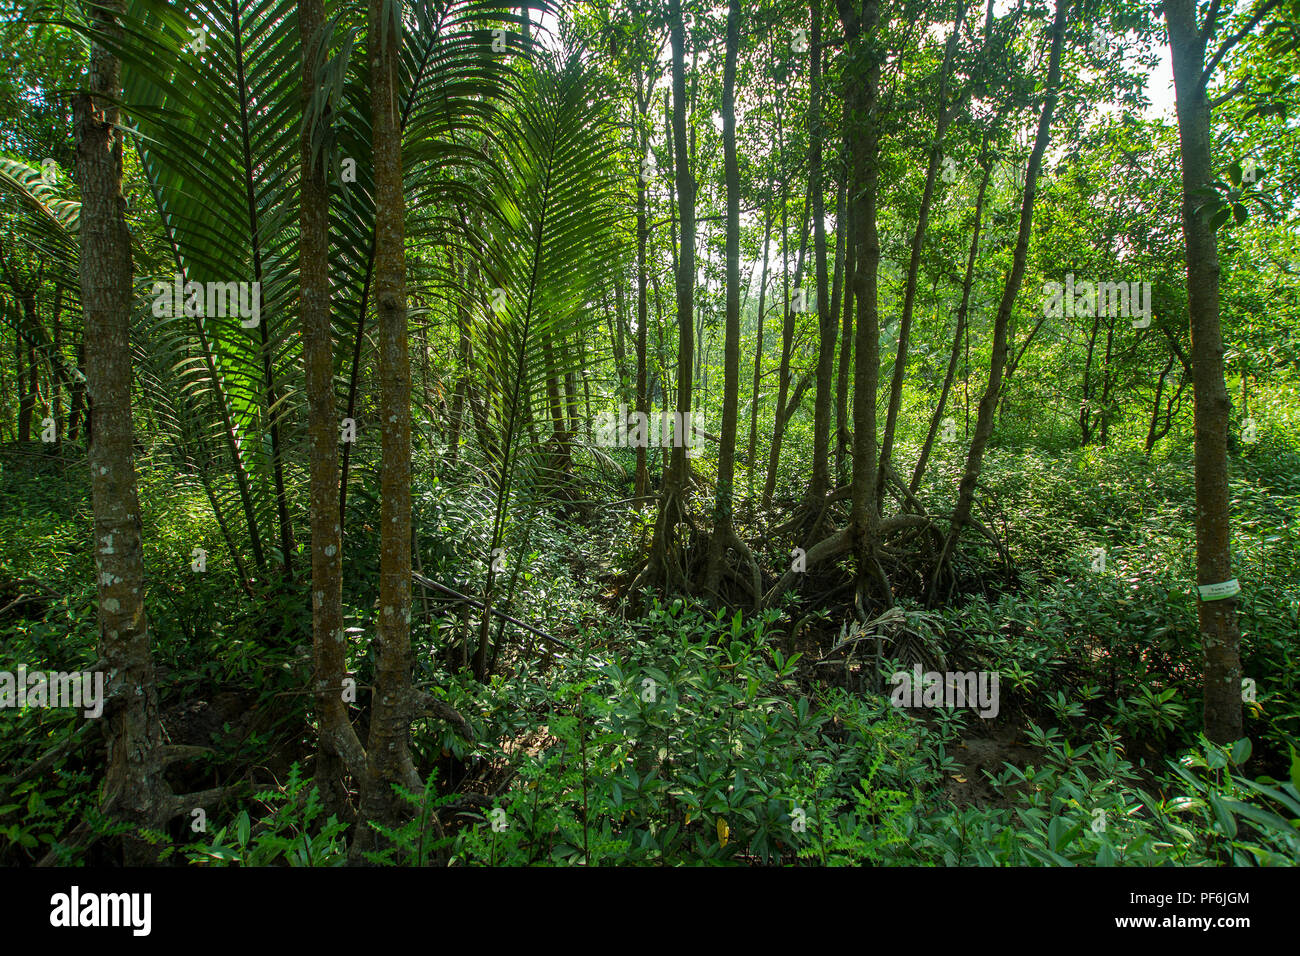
(1220, 591)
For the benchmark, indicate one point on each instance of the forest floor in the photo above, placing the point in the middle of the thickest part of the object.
(763, 743)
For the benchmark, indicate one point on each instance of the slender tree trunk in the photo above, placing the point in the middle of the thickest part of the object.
(1220, 635)
(26, 393)
(589, 429)
(642, 321)
(462, 372)
(1085, 407)
(556, 399)
(1152, 434)
(821, 475)
(787, 337)
(862, 82)
(842, 429)
(78, 405)
(988, 404)
(665, 561)
(571, 396)
(4, 395)
(944, 116)
(426, 356)
(56, 386)
(963, 311)
(1107, 383)
(752, 458)
(388, 760)
(134, 788)
(642, 401)
(33, 367)
(837, 271)
(339, 747)
(620, 341)
(724, 535)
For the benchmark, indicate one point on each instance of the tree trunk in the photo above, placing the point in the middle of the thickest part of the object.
(339, 747)
(642, 320)
(988, 404)
(724, 535)
(556, 400)
(1153, 429)
(1220, 636)
(842, 429)
(134, 788)
(462, 367)
(388, 760)
(944, 116)
(862, 86)
(1108, 377)
(78, 405)
(56, 365)
(787, 337)
(963, 311)
(1085, 407)
(826, 318)
(752, 459)
(620, 343)
(25, 366)
(665, 566)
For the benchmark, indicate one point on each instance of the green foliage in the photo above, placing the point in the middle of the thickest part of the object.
(291, 830)
(1087, 806)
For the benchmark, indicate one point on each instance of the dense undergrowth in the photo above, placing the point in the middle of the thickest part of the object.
(688, 734)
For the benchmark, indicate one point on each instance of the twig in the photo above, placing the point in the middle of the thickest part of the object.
(421, 580)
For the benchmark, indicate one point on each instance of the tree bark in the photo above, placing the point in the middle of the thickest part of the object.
(826, 324)
(842, 429)
(724, 535)
(1220, 634)
(134, 788)
(665, 564)
(339, 748)
(862, 87)
(388, 760)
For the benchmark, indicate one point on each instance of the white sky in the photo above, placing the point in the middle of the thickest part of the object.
(1160, 88)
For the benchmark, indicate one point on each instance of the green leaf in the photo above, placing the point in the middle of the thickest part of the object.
(1227, 822)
